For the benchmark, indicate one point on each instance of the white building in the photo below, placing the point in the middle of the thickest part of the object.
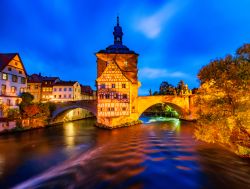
(66, 91)
(13, 82)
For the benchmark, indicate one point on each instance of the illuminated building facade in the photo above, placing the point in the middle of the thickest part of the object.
(66, 91)
(13, 81)
(47, 88)
(34, 86)
(117, 83)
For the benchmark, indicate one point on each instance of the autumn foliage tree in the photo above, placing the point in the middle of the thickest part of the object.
(223, 101)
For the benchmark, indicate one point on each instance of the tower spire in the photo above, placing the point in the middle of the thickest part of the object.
(117, 20)
(118, 32)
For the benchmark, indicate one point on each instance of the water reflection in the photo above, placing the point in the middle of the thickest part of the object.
(153, 155)
(69, 134)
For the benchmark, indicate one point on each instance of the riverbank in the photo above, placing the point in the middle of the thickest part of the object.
(18, 128)
(235, 140)
(102, 126)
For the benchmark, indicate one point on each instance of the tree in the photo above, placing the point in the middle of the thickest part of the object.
(31, 110)
(27, 98)
(224, 102)
(167, 89)
(182, 88)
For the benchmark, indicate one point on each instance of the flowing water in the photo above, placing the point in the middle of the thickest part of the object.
(151, 155)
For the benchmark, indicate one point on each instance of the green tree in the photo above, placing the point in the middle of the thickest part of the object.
(27, 98)
(167, 89)
(224, 102)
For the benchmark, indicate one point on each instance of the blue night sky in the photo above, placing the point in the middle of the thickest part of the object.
(174, 38)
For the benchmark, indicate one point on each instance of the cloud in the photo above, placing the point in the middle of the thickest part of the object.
(152, 25)
(152, 73)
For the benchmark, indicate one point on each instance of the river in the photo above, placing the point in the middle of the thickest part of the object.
(150, 155)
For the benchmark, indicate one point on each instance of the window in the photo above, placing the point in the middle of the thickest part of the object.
(23, 80)
(101, 96)
(17, 102)
(102, 86)
(22, 90)
(28, 86)
(112, 109)
(65, 89)
(109, 109)
(60, 96)
(3, 89)
(70, 89)
(65, 96)
(123, 85)
(8, 102)
(54, 96)
(16, 63)
(116, 96)
(14, 78)
(107, 96)
(124, 96)
(20, 72)
(69, 95)
(36, 87)
(113, 86)
(100, 109)
(5, 76)
(13, 89)
(55, 89)
(60, 89)
(123, 108)
(9, 69)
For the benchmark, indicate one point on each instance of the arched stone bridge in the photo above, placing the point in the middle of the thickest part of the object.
(183, 105)
(63, 108)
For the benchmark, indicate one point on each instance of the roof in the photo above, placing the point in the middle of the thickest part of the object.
(35, 78)
(65, 83)
(49, 78)
(5, 58)
(86, 89)
(117, 49)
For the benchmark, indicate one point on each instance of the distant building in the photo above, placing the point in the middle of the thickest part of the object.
(66, 91)
(34, 86)
(47, 88)
(13, 80)
(87, 93)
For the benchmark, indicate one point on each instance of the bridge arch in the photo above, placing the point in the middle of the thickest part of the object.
(177, 108)
(180, 104)
(63, 114)
(62, 109)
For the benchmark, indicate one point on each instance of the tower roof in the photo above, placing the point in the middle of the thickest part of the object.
(117, 47)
